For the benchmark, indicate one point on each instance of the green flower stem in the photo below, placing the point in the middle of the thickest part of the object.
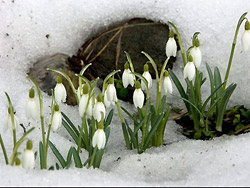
(123, 124)
(50, 121)
(14, 154)
(11, 112)
(180, 42)
(242, 18)
(4, 151)
(145, 122)
(92, 157)
(42, 121)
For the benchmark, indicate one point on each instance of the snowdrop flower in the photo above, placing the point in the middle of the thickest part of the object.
(60, 91)
(99, 139)
(28, 157)
(189, 69)
(245, 39)
(57, 119)
(196, 53)
(167, 84)
(111, 91)
(127, 78)
(8, 123)
(84, 100)
(107, 103)
(31, 106)
(92, 102)
(99, 108)
(138, 96)
(171, 46)
(148, 77)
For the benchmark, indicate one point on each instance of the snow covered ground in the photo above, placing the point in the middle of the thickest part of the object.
(181, 162)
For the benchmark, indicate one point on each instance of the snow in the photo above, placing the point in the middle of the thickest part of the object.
(181, 161)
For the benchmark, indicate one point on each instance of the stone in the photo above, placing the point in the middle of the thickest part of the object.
(46, 80)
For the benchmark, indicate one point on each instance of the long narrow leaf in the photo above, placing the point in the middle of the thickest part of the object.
(77, 159)
(57, 154)
(41, 155)
(4, 150)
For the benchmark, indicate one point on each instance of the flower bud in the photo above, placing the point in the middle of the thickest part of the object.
(127, 78)
(99, 139)
(245, 39)
(167, 84)
(99, 108)
(171, 46)
(56, 119)
(189, 69)
(31, 108)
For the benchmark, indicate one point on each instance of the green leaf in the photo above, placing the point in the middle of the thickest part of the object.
(179, 88)
(57, 154)
(77, 159)
(69, 158)
(223, 104)
(71, 132)
(129, 61)
(67, 120)
(152, 131)
(152, 63)
(130, 115)
(41, 155)
(132, 136)
(126, 137)
(85, 68)
(109, 118)
(4, 150)
(98, 158)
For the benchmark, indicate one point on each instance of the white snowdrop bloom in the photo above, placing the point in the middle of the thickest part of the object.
(83, 101)
(127, 77)
(60, 91)
(148, 77)
(7, 124)
(57, 119)
(99, 108)
(99, 139)
(107, 103)
(189, 69)
(78, 92)
(92, 102)
(111, 91)
(83, 104)
(195, 52)
(28, 157)
(245, 39)
(167, 84)
(138, 96)
(171, 46)
(31, 106)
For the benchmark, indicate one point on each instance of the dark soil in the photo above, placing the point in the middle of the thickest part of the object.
(236, 121)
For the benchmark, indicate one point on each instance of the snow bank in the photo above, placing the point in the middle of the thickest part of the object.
(30, 30)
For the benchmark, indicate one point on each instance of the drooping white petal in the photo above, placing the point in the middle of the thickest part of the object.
(31, 109)
(107, 103)
(60, 93)
(245, 40)
(83, 104)
(138, 98)
(98, 108)
(28, 159)
(189, 71)
(8, 123)
(171, 47)
(99, 139)
(56, 121)
(127, 78)
(78, 93)
(148, 77)
(111, 92)
(92, 102)
(197, 57)
(167, 84)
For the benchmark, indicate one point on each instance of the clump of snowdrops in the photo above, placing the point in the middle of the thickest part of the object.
(216, 103)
